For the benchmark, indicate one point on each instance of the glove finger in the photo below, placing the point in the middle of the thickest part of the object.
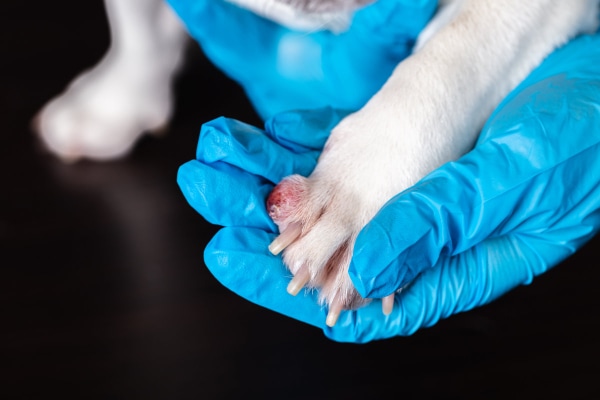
(226, 195)
(524, 175)
(251, 150)
(240, 260)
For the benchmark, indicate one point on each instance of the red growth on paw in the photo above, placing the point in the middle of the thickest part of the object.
(285, 198)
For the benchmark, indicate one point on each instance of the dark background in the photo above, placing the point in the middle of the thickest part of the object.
(104, 293)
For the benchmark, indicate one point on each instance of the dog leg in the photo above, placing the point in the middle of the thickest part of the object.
(429, 112)
(105, 110)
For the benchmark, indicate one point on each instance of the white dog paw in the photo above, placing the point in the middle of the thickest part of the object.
(103, 112)
(317, 231)
(319, 217)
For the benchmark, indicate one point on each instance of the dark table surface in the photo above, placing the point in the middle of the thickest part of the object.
(104, 293)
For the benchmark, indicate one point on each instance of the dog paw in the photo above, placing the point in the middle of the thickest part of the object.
(103, 112)
(319, 217)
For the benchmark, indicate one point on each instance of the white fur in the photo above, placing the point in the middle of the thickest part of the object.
(429, 111)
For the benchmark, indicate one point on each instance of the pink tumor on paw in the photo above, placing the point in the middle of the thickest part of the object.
(285, 199)
(282, 205)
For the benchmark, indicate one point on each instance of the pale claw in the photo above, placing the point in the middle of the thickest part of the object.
(300, 279)
(291, 233)
(335, 308)
(387, 304)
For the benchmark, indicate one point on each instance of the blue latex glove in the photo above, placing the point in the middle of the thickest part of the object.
(525, 198)
(285, 70)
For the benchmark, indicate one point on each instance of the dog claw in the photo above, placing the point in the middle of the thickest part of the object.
(291, 233)
(387, 304)
(335, 308)
(299, 281)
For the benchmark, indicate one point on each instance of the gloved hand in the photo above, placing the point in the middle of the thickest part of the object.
(282, 70)
(525, 198)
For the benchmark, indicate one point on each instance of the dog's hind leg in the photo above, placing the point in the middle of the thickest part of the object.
(106, 109)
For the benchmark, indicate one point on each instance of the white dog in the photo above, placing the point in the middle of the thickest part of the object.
(428, 112)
